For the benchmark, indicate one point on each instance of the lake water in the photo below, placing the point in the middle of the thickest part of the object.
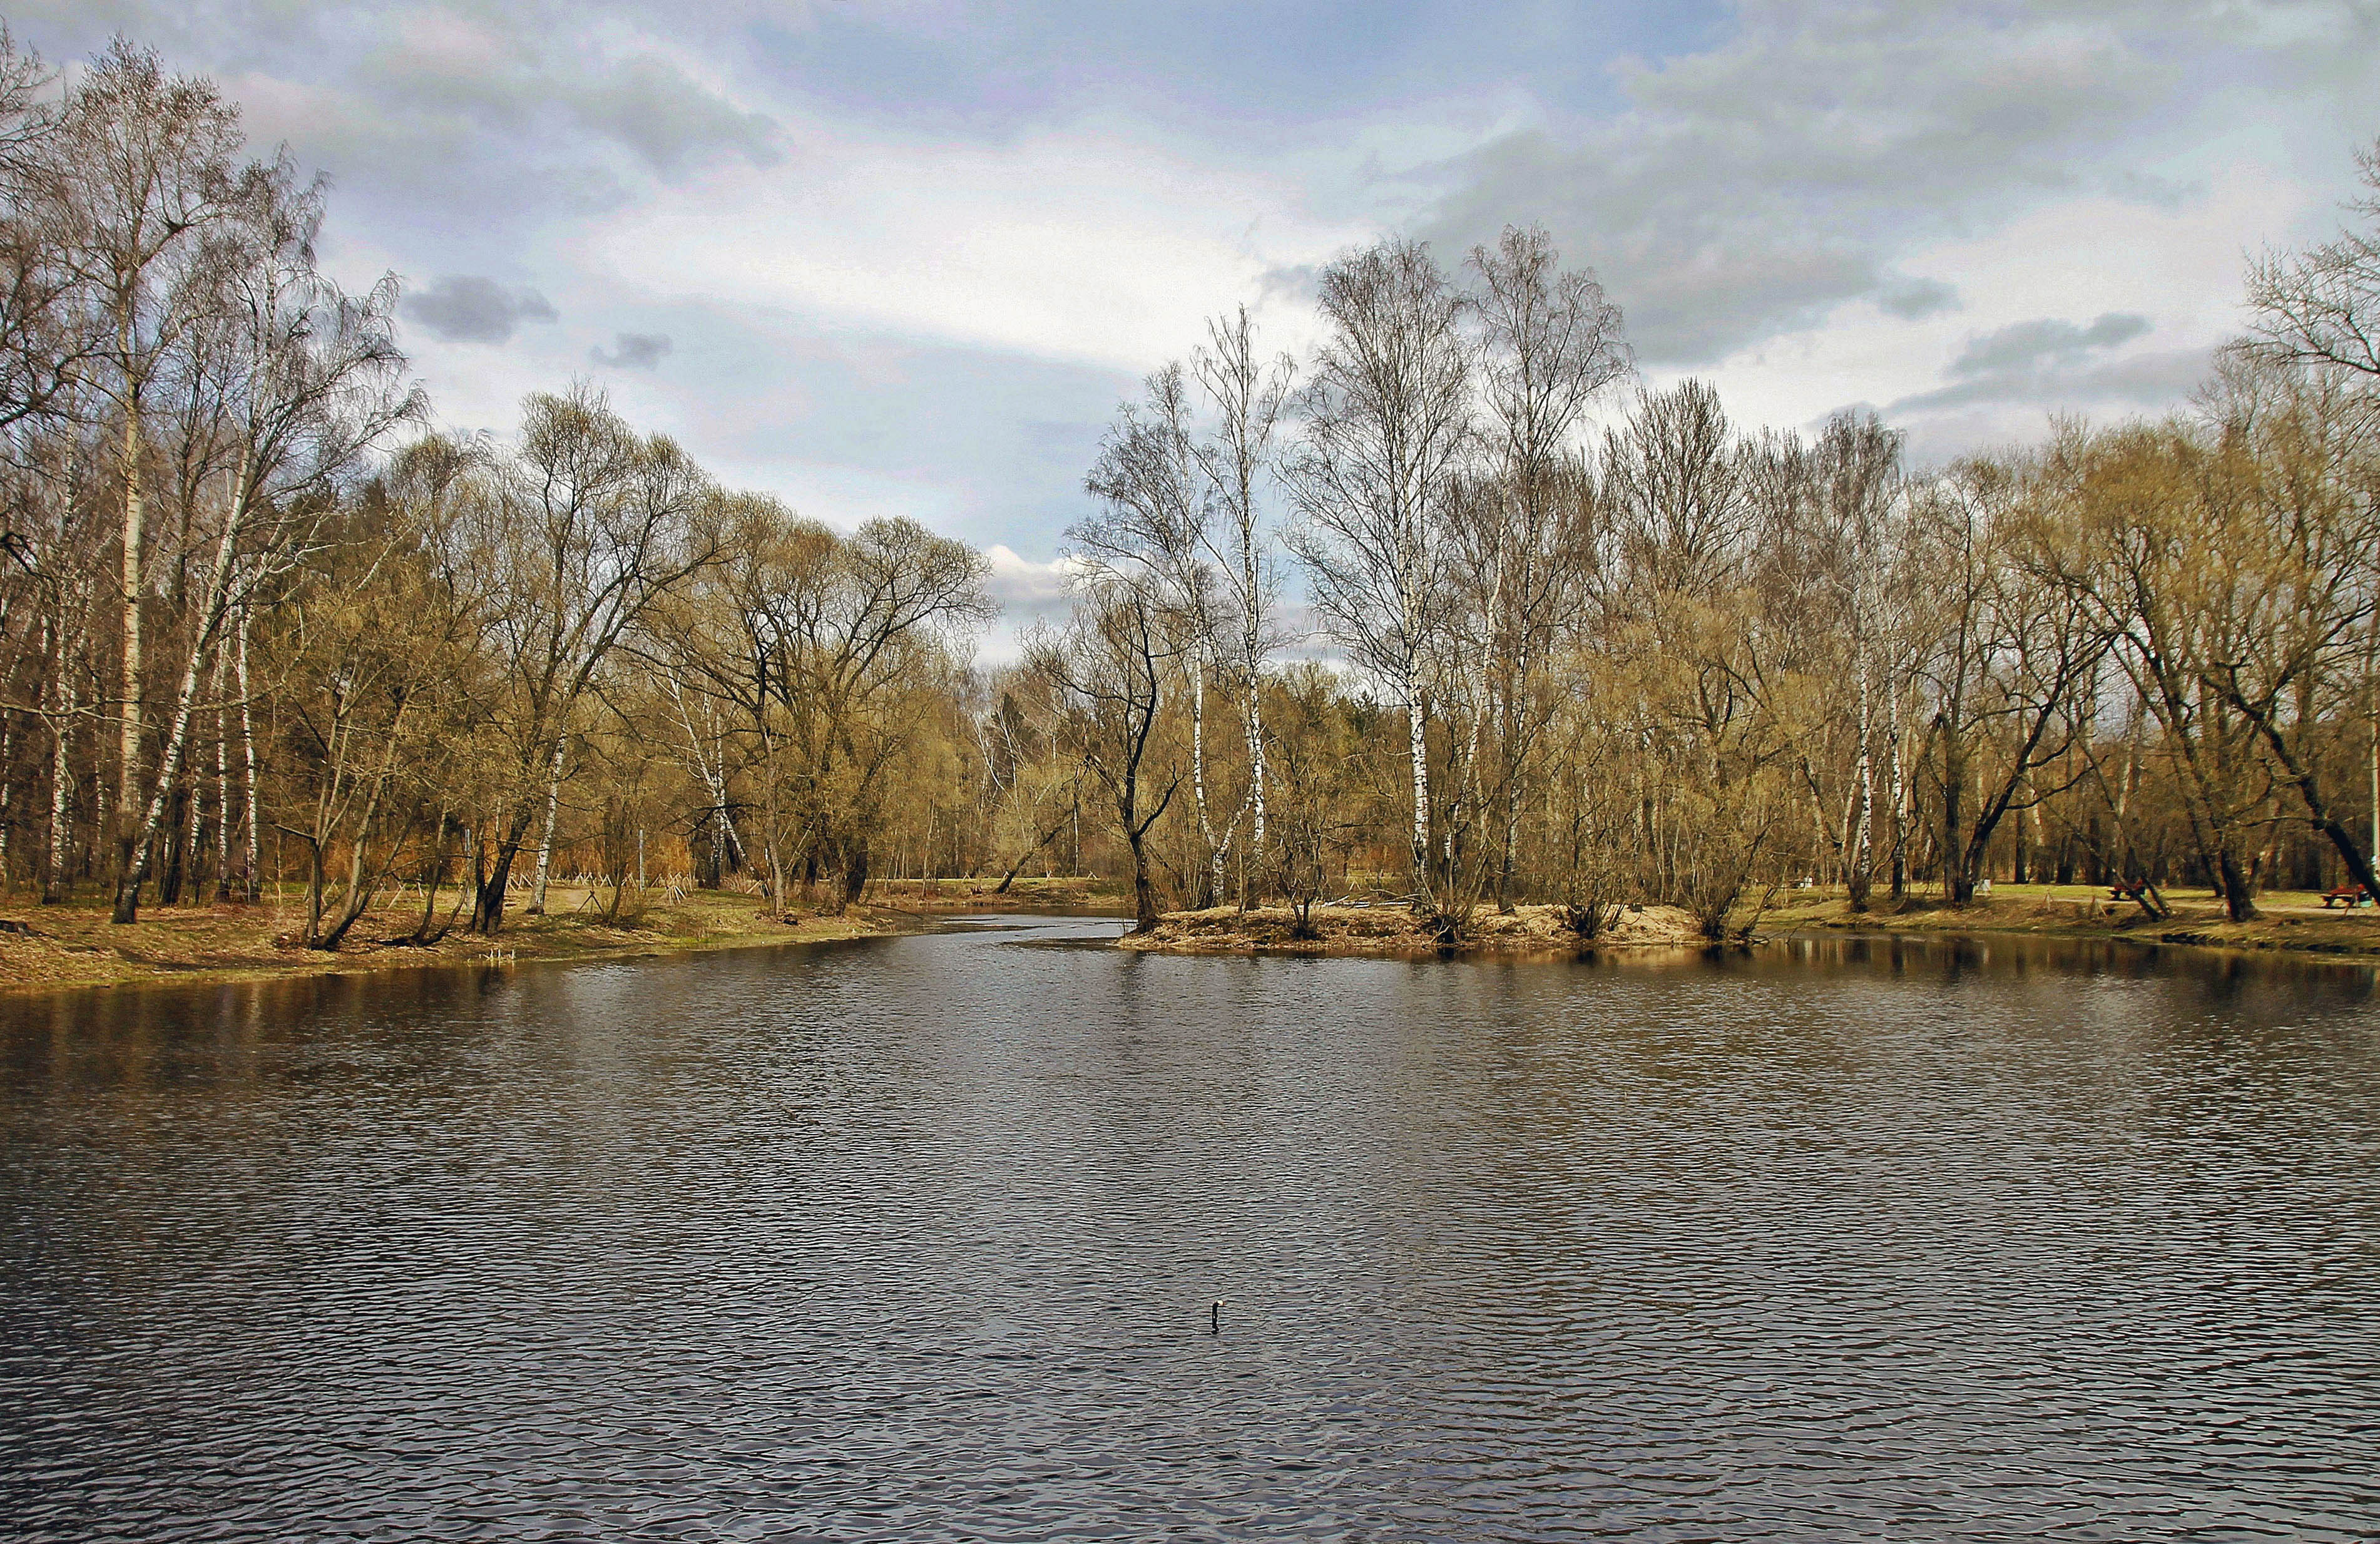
(918, 1239)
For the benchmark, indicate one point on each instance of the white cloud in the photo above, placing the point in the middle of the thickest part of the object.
(1089, 243)
(1029, 594)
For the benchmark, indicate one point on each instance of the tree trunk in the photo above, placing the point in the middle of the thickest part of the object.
(855, 872)
(545, 846)
(1418, 746)
(2302, 777)
(1255, 717)
(247, 749)
(213, 610)
(1043, 841)
(361, 888)
(1900, 810)
(1214, 876)
(488, 909)
(127, 797)
(1859, 871)
(223, 789)
(53, 875)
(434, 871)
(127, 892)
(1144, 894)
(2238, 903)
(1958, 878)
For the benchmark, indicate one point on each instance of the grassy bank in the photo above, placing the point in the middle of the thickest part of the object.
(52, 948)
(2293, 921)
(1063, 896)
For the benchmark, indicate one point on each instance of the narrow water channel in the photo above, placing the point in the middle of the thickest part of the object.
(921, 1239)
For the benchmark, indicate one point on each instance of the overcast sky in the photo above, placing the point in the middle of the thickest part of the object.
(907, 257)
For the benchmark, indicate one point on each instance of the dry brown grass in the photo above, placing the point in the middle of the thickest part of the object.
(2291, 921)
(1394, 931)
(50, 948)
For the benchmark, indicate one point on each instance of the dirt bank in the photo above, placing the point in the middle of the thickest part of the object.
(1059, 898)
(2293, 922)
(1393, 931)
(51, 948)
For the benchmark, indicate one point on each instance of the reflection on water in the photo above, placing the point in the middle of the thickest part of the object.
(918, 1239)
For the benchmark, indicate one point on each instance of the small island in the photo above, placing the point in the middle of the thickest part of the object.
(1392, 931)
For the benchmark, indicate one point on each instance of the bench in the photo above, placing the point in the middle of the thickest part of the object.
(2119, 891)
(2347, 895)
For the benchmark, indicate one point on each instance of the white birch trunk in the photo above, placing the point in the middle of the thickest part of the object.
(1251, 647)
(168, 769)
(545, 842)
(712, 778)
(247, 749)
(213, 610)
(127, 797)
(61, 786)
(1418, 745)
(223, 788)
(1198, 771)
(1256, 760)
(1860, 849)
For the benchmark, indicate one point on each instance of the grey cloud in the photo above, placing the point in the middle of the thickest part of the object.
(633, 351)
(2162, 378)
(2158, 192)
(1989, 412)
(2026, 343)
(1295, 283)
(517, 90)
(669, 120)
(1743, 191)
(485, 113)
(1913, 298)
(467, 309)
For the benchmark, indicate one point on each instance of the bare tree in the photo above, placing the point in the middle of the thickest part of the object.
(149, 167)
(1108, 667)
(1388, 429)
(52, 337)
(312, 380)
(2322, 306)
(2011, 657)
(588, 528)
(1247, 398)
(1152, 535)
(2320, 309)
(1549, 344)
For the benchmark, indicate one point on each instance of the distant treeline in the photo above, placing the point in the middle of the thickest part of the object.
(259, 625)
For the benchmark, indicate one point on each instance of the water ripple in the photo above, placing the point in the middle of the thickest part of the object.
(918, 1240)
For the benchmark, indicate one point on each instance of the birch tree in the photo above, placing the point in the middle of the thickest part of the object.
(1152, 534)
(1550, 343)
(311, 379)
(1388, 427)
(148, 169)
(1247, 398)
